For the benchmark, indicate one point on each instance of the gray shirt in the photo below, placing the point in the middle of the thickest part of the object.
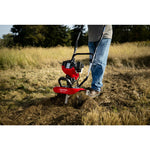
(95, 32)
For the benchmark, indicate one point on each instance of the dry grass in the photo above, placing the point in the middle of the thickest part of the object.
(129, 54)
(32, 57)
(27, 78)
(128, 50)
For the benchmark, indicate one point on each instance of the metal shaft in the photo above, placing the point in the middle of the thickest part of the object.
(66, 98)
(76, 44)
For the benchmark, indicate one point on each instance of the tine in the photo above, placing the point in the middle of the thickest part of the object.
(66, 98)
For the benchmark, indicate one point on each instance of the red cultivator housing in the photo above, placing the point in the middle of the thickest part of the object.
(72, 69)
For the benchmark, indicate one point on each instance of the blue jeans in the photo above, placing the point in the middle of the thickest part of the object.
(99, 63)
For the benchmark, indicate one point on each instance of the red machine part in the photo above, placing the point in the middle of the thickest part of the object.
(65, 90)
(71, 72)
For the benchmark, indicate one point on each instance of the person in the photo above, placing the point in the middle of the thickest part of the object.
(100, 61)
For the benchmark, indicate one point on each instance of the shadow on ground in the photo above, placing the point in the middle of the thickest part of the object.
(138, 62)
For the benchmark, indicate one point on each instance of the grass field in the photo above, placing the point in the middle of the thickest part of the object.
(27, 78)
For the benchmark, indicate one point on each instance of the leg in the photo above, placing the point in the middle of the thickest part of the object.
(99, 63)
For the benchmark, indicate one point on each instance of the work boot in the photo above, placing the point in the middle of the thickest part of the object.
(92, 93)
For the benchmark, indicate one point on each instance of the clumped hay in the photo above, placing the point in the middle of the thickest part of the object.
(101, 116)
(127, 118)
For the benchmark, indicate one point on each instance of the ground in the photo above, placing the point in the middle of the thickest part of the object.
(27, 98)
